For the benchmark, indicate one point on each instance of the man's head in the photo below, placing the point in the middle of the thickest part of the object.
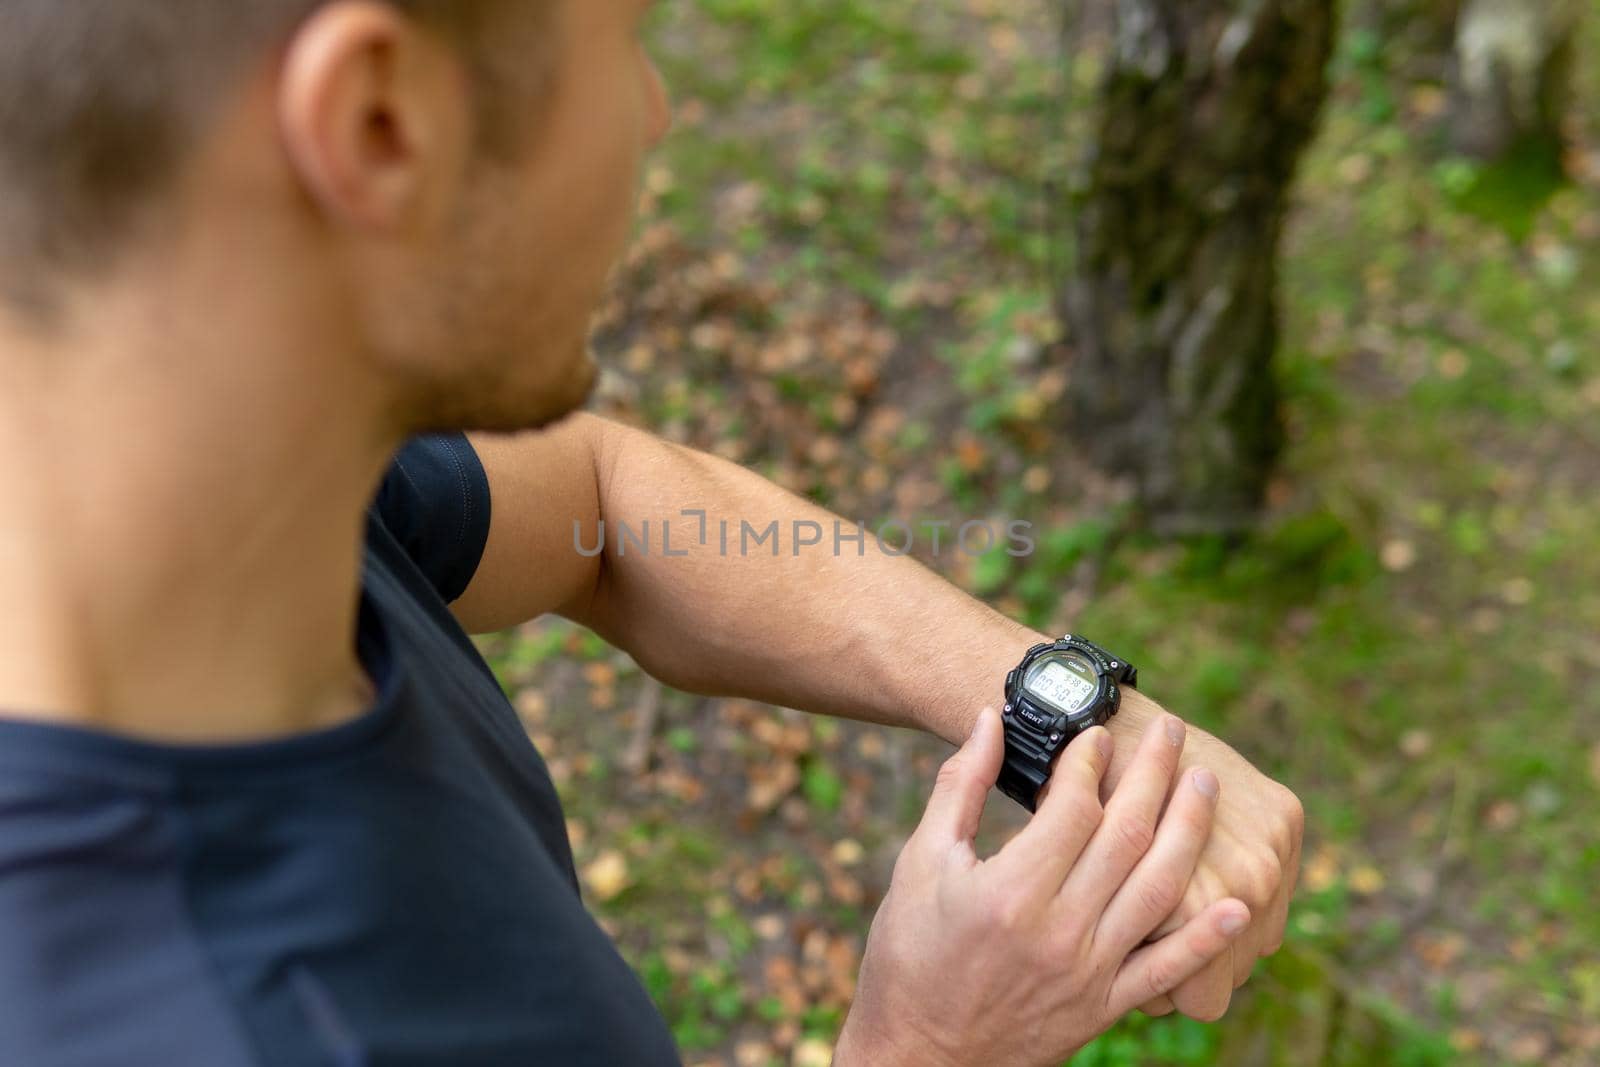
(445, 183)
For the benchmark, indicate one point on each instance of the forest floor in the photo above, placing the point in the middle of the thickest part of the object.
(843, 281)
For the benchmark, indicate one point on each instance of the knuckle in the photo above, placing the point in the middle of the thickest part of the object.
(1083, 808)
(1266, 875)
(1132, 836)
(1294, 814)
(1194, 900)
(1007, 911)
(951, 771)
(1161, 979)
(1194, 820)
(1062, 940)
(1158, 896)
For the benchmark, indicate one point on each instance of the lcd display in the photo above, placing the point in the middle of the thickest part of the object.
(1057, 684)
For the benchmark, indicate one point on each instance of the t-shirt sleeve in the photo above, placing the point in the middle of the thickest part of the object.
(434, 500)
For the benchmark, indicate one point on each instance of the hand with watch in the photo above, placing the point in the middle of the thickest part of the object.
(1021, 958)
(1061, 689)
(1116, 895)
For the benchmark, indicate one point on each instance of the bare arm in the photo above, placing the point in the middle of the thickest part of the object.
(840, 629)
(865, 635)
(860, 634)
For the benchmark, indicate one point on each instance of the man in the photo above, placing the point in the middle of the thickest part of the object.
(262, 802)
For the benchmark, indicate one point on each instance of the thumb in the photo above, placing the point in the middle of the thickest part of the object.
(964, 782)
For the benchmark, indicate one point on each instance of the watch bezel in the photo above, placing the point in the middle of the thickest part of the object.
(1046, 718)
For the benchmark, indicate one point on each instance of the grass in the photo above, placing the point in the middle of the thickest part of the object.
(1409, 639)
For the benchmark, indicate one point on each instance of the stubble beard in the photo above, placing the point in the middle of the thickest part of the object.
(490, 403)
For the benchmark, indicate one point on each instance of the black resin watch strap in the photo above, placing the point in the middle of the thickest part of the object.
(1122, 672)
(1027, 763)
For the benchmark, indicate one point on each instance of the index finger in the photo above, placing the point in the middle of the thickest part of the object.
(1048, 847)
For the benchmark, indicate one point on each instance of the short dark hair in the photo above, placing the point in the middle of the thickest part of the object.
(101, 99)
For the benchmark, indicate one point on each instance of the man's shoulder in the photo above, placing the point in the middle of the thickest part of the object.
(433, 504)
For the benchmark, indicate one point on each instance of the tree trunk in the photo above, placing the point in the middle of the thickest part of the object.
(1513, 81)
(1200, 118)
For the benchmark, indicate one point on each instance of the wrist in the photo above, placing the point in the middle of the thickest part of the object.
(1137, 712)
(858, 1046)
(975, 669)
(861, 1044)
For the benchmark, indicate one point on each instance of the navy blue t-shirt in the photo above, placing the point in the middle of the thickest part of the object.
(398, 890)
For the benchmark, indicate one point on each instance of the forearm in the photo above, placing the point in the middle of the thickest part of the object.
(853, 632)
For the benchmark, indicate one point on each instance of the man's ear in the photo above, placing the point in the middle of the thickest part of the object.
(374, 114)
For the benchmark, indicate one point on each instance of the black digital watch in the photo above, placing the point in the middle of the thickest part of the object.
(1056, 693)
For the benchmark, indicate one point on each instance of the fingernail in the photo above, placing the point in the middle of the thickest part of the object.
(1232, 923)
(977, 722)
(1102, 742)
(1205, 783)
(1174, 729)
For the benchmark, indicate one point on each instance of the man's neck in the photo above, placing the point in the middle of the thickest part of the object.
(180, 536)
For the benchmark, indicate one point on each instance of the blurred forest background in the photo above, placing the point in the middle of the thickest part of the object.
(858, 247)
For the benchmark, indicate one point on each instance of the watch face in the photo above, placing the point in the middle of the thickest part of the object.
(1065, 681)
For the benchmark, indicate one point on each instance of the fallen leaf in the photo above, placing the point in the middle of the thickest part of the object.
(846, 890)
(783, 981)
(753, 1053)
(532, 707)
(1439, 951)
(1502, 815)
(870, 746)
(1399, 555)
(607, 876)
(813, 1053)
(770, 783)
(1366, 880)
(1321, 870)
(1452, 364)
(1415, 744)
